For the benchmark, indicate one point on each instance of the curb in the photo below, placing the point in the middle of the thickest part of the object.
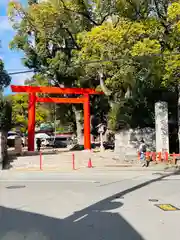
(43, 170)
(94, 169)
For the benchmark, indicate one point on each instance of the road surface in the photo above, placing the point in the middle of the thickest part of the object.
(92, 206)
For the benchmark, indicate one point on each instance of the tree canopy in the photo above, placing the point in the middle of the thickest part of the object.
(5, 107)
(129, 49)
(5, 79)
(19, 104)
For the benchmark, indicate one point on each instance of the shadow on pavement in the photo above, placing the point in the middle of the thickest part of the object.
(92, 223)
(132, 189)
(95, 222)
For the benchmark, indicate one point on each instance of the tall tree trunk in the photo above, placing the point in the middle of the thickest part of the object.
(79, 125)
(4, 161)
(179, 116)
(1, 155)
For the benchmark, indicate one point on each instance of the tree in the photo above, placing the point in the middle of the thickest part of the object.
(142, 46)
(5, 79)
(120, 73)
(37, 80)
(126, 42)
(53, 27)
(5, 115)
(19, 104)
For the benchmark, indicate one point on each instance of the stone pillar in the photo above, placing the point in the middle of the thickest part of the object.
(162, 129)
(18, 145)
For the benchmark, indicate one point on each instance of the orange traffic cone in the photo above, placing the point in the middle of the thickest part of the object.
(90, 163)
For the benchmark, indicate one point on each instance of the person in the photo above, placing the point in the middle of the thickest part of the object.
(142, 150)
(38, 143)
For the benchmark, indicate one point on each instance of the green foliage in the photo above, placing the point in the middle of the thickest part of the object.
(5, 79)
(5, 115)
(5, 106)
(20, 111)
(146, 46)
(37, 80)
(113, 117)
(174, 11)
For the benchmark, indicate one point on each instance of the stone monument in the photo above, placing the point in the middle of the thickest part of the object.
(162, 130)
(18, 145)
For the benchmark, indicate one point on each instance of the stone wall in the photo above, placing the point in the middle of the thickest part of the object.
(127, 141)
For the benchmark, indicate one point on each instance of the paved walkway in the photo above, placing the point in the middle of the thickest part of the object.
(62, 162)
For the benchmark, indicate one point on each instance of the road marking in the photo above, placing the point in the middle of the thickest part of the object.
(78, 219)
(167, 207)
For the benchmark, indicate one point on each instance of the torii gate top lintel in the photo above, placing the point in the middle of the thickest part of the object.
(55, 90)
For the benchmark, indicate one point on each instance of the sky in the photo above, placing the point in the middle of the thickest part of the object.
(11, 59)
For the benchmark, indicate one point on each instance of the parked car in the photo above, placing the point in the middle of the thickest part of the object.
(45, 139)
(61, 141)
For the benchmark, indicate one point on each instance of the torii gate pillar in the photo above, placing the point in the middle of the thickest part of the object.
(87, 125)
(31, 120)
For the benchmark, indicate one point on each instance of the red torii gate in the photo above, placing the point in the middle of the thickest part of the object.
(56, 90)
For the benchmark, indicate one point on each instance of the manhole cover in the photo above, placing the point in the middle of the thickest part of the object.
(167, 207)
(15, 187)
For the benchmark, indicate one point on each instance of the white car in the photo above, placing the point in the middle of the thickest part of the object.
(45, 138)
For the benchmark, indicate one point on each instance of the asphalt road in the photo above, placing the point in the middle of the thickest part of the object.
(91, 206)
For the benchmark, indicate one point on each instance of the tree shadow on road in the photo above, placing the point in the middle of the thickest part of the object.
(92, 223)
(100, 221)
